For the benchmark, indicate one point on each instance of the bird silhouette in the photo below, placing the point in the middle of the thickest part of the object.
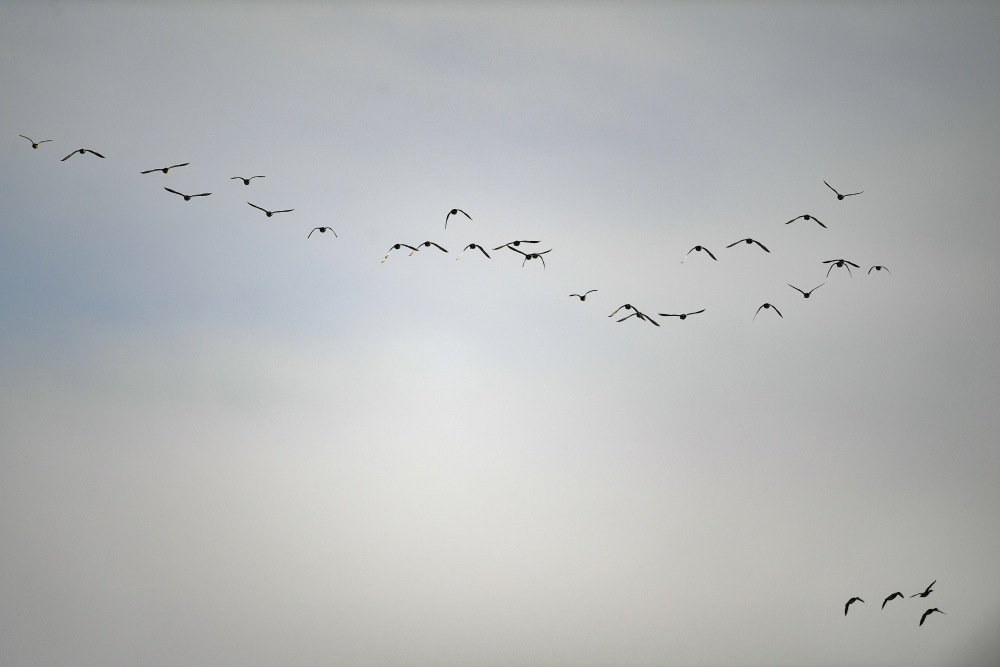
(473, 246)
(840, 196)
(927, 591)
(513, 243)
(455, 211)
(532, 255)
(879, 268)
(36, 144)
(805, 294)
(749, 241)
(165, 169)
(397, 247)
(428, 244)
(270, 213)
(187, 197)
(699, 248)
(246, 181)
(683, 316)
(840, 263)
(807, 217)
(850, 602)
(765, 307)
(928, 613)
(641, 316)
(322, 230)
(895, 595)
(582, 297)
(81, 152)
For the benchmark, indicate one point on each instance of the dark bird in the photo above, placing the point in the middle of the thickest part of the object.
(805, 294)
(928, 613)
(513, 243)
(926, 592)
(765, 307)
(35, 144)
(895, 595)
(322, 230)
(879, 268)
(81, 152)
(699, 248)
(187, 197)
(455, 211)
(850, 602)
(397, 247)
(641, 316)
(472, 246)
(583, 297)
(749, 241)
(807, 217)
(683, 316)
(270, 213)
(840, 263)
(532, 255)
(165, 169)
(840, 196)
(246, 181)
(428, 244)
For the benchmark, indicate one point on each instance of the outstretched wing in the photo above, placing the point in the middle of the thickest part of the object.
(258, 207)
(149, 171)
(94, 153)
(287, 210)
(794, 287)
(696, 312)
(182, 164)
(818, 222)
(175, 192)
(737, 243)
(793, 219)
(763, 247)
(832, 188)
(709, 253)
(68, 156)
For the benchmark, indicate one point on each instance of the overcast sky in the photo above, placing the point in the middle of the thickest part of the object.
(224, 443)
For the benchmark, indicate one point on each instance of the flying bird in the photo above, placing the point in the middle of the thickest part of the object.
(840, 196)
(765, 307)
(513, 243)
(926, 592)
(807, 217)
(533, 255)
(879, 268)
(840, 263)
(397, 247)
(81, 152)
(428, 244)
(35, 144)
(699, 248)
(322, 230)
(246, 181)
(473, 246)
(805, 294)
(187, 197)
(455, 211)
(683, 316)
(749, 241)
(165, 169)
(895, 595)
(928, 613)
(270, 213)
(582, 297)
(850, 602)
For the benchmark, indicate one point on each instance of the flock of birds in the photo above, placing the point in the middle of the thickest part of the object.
(927, 591)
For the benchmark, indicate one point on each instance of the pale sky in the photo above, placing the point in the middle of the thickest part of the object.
(223, 443)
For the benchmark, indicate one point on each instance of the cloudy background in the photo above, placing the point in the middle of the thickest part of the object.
(223, 443)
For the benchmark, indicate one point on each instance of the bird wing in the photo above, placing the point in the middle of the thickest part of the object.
(870, 270)
(709, 253)
(237, 178)
(668, 315)
(832, 188)
(28, 138)
(854, 193)
(258, 207)
(648, 318)
(464, 213)
(829, 270)
(589, 291)
(482, 250)
(925, 616)
(68, 156)
(334, 233)
(541, 258)
(94, 153)
(182, 164)
(794, 287)
(178, 193)
(818, 222)
(737, 243)
(793, 219)
(463, 252)
(253, 177)
(852, 264)
(755, 317)
(439, 247)
(149, 171)
(627, 316)
(816, 288)
(48, 140)
(697, 311)
(617, 309)
(577, 295)
(783, 317)
(543, 252)
(686, 256)
(761, 245)
(203, 194)
(500, 246)
(311, 233)
(287, 210)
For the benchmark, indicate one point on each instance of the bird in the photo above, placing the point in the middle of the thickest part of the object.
(683, 316)
(514, 243)
(270, 213)
(926, 592)
(840, 263)
(165, 169)
(427, 244)
(473, 246)
(928, 613)
(36, 144)
(699, 248)
(748, 241)
(187, 197)
(582, 297)
(765, 307)
(879, 268)
(895, 595)
(806, 294)
(532, 255)
(850, 602)
(246, 181)
(322, 230)
(840, 196)
(397, 247)
(641, 316)
(455, 211)
(81, 152)
(807, 217)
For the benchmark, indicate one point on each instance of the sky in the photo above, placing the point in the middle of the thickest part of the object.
(225, 443)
